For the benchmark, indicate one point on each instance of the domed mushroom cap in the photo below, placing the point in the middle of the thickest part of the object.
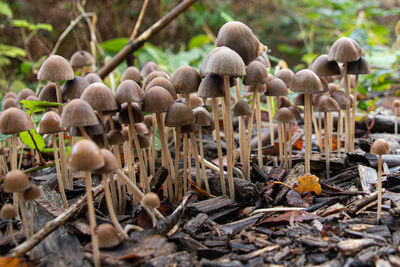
(100, 97)
(256, 73)
(115, 137)
(81, 59)
(380, 147)
(396, 104)
(225, 61)
(360, 66)
(141, 128)
(14, 120)
(24, 94)
(323, 67)
(240, 38)
(211, 86)
(32, 98)
(107, 236)
(195, 101)
(128, 91)
(206, 60)
(78, 113)
(32, 193)
(91, 130)
(50, 123)
(332, 87)
(74, 88)
(16, 181)
(186, 80)
(284, 115)
(148, 120)
(152, 76)
(261, 88)
(10, 94)
(164, 83)
(131, 73)
(276, 87)
(263, 58)
(9, 102)
(326, 104)
(306, 81)
(285, 75)
(157, 100)
(190, 128)
(150, 200)
(143, 141)
(295, 112)
(299, 100)
(284, 102)
(85, 155)
(8, 212)
(110, 162)
(117, 124)
(202, 116)
(55, 68)
(49, 93)
(148, 68)
(93, 78)
(345, 50)
(178, 114)
(241, 108)
(123, 115)
(341, 98)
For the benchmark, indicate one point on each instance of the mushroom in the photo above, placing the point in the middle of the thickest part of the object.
(307, 82)
(30, 194)
(49, 93)
(164, 83)
(285, 116)
(82, 62)
(86, 156)
(149, 120)
(345, 50)
(212, 86)
(107, 236)
(147, 68)
(343, 100)
(17, 182)
(150, 202)
(195, 101)
(153, 75)
(93, 78)
(285, 75)
(396, 107)
(74, 88)
(9, 102)
(227, 63)
(131, 73)
(50, 124)
(379, 147)
(9, 212)
(24, 94)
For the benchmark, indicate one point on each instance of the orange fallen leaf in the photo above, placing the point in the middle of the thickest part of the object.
(299, 144)
(307, 183)
(11, 262)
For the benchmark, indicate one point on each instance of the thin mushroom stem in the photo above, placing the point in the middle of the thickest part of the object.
(194, 152)
(307, 125)
(11, 230)
(396, 114)
(59, 178)
(290, 145)
(117, 152)
(317, 131)
(280, 134)
(339, 132)
(203, 167)
(177, 157)
(285, 144)
(23, 215)
(258, 121)
(378, 218)
(92, 218)
(320, 130)
(185, 149)
(347, 126)
(243, 147)
(14, 148)
(220, 156)
(330, 127)
(250, 126)
(105, 139)
(271, 123)
(353, 117)
(153, 142)
(31, 211)
(326, 142)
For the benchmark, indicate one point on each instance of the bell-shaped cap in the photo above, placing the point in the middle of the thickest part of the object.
(50, 123)
(344, 50)
(164, 83)
(85, 155)
(306, 81)
(93, 78)
(256, 73)
(131, 73)
(324, 67)
(360, 66)
(107, 124)
(16, 181)
(110, 162)
(284, 102)
(141, 128)
(115, 137)
(276, 87)
(326, 104)
(178, 114)
(285, 75)
(190, 128)
(341, 98)
(261, 88)
(212, 86)
(148, 120)
(150, 200)
(128, 91)
(92, 130)
(152, 76)
(123, 115)
(24, 94)
(263, 58)
(380, 147)
(81, 59)
(396, 104)
(195, 101)
(55, 68)
(107, 236)
(10, 94)
(48, 93)
(296, 113)
(157, 100)
(352, 80)
(74, 88)
(202, 117)
(32, 193)
(186, 80)
(78, 113)
(100, 97)
(14, 120)
(148, 68)
(9, 102)
(8, 212)
(284, 115)
(225, 61)
(241, 108)
(299, 100)
(143, 141)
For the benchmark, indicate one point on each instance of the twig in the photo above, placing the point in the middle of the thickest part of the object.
(139, 21)
(276, 210)
(36, 147)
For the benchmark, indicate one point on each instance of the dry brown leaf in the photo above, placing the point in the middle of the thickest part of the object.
(11, 262)
(307, 183)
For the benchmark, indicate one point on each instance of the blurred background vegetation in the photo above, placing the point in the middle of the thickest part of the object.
(296, 32)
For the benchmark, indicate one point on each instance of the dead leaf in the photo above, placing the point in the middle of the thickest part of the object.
(11, 262)
(298, 144)
(294, 200)
(285, 218)
(307, 183)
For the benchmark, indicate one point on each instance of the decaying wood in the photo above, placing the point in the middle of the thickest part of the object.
(368, 178)
(158, 179)
(290, 179)
(351, 246)
(355, 206)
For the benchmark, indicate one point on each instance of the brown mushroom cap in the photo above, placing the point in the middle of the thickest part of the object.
(296, 113)
(211, 86)
(55, 68)
(9, 102)
(225, 61)
(24, 94)
(190, 128)
(123, 115)
(32, 98)
(107, 124)
(299, 100)
(285, 75)
(74, 88)
(284, 102)
(352, 79)
(115, 137)
(10, 94)
(360, 66)
(256, 73)
(148, 68)
(206, 60)
(380, 147)
(186, 79)
(284, 115)
(107, 236)
(48, 93)
(150, 200)
(261, 88)
(100, 97)
(396, 103)
(125, 133)
(263, 58)
(32, 193)
(143, 141)
(202, 117)
(241, 108)
(14, 120)
(148, 120)
(128, 91)
(332, 87)
(50, 123)
(341, 98)
(131, 73)
(345, 50)
(110, 162)
(195, 101)
(81, 59)
(16, 181)
(93, 78)
(141, 128)
(85, 155)
(8, 212)
(276, 87)
(77, 113)
(152, 76)
(240, 38)
(92, 130)
(164, 83)
(178, 114)
(326, 104)
(306, 81)
(157, 100)
(324, 67)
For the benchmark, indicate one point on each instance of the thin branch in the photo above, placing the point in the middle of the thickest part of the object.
(139, 21)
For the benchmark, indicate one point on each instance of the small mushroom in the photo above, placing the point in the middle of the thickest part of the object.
(9, 212)
(131, 73)
(82, 61)
(150, 202)
(74, 88)
(29, 195)
(285, 116)
(107, 236)
(93, 78)
(147, 68)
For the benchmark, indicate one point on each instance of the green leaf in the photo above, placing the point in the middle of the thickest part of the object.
(11, 51)
(20, 23)
(26, 138)
(41, 26)
(34, 106)
(226, 16)
(199, 40)
(114, 45)
(5, 9)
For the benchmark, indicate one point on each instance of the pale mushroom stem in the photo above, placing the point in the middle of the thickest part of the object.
(14, 156)
(243, 148)
(326, 142)
(92, 218)
(353, 117)
(177, 157)
(131, 156)
(23, 215)
(307, 106)
(395, 120)
(110, 207)
(378, 218)
(271, 123)
(347, 121)
(11, 230)
(203, 167)
(285, 145)
(218, 137)
(59, 178)
(153, 147)
(228, 135)
(194, 152)
(113, 193)
(117, 152)
(250, 128)
(258, 121)
(320, 129)
(330, 134)
(189, 158)
(339, 132)
(280, 134)
(105, 139)
(290, 145)
(31, 211)
(317, 130)
(185, 174)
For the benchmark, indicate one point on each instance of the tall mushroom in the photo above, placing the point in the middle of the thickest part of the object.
(74, 88)
(343, 100)
(285, 116)
(396, 107)
(132, 73)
